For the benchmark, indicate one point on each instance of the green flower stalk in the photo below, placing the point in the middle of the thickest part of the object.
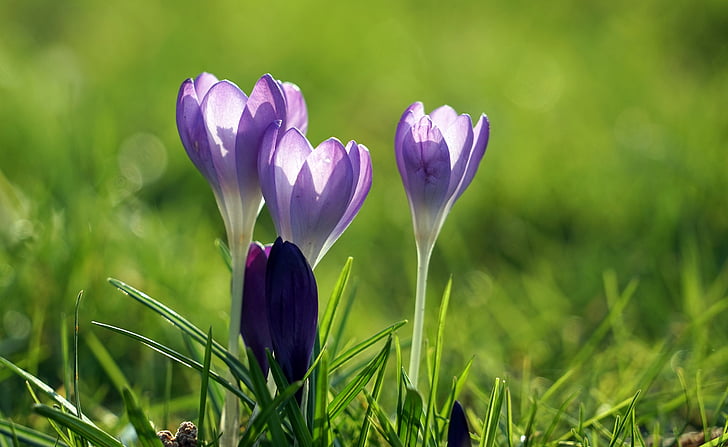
(437, 156)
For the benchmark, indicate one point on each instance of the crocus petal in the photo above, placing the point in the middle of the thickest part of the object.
(411, 115)
(292, 308)
(288, 159)
(459, 138)
(254, 322)
(443, 116)
(323, 192)
(296, 111)
(221, 110)
(203, 83)
(265, 105)
(192, 132)
(361, 164)
(481, 133)
(427, 163)
(458, 433)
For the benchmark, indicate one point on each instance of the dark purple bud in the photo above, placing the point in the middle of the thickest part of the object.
(254, 318)
(458, 433)
(292, 296)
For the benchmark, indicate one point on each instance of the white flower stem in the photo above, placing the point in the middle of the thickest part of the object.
(424, 251)
(230, 415)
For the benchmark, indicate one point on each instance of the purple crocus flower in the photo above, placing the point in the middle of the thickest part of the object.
(312, 195)
(221, 129)
(437, 156)
(254, 317)
(292, 299)
(458, 433)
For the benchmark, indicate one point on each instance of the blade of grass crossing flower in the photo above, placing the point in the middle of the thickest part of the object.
(84, 429)
(268, 408)
(328, 318)
(225, 253)
(490, 422)
(411, 417)
(180, 358)
(376, 391)
(107, 362)
(353, 388)
(204, 386)
(139, 420)
(358, 348)
(295, 417)
(18, 434)
(431, 409)
(39, 384)
(321, 422)
(237, 368)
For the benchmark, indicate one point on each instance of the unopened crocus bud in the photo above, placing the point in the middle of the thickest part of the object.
(292, 299)
(458, 433)
(312, 194)
(254, 318)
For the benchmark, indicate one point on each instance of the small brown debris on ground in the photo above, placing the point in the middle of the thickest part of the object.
(186, 436)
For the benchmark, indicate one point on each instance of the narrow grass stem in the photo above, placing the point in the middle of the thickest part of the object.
(238, 251)
(424, 251)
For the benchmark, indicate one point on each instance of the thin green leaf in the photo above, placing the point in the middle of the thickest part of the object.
(376, 391)
(358, 348)
(225, 253)
(354, 387)
(237, 368)
(295, 417)
(19, 433)
(490, 423)
(39, 384)
(383, 426)
(82, 428)
(204, 385)
(327, 320)
(619, 425)
(145, 433)
(429, 413)
(180, 358)
(457, 387)
(266, 413)
(321, 422)
(411, 417)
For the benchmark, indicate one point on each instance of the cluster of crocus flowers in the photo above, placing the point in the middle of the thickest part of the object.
(437, 156)
(248, 147)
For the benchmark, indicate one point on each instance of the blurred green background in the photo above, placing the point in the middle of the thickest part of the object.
(607, 164)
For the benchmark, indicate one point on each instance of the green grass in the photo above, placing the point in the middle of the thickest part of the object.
(589, 257)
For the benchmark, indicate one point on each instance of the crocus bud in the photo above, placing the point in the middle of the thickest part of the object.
(254, 318)
(458, 433)
(437, 156)
(312, 195)
(292, 297)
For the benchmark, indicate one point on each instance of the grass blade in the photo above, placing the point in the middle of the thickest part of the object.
(19, 433)
(353, 388)
(180, 358)
(490, 423)
(204, 385)
(82, 428)
(327, 320)
(145, 433)
(321, 422)
(358, 348)
(295, 416)
(267, 408)
(411, 417)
